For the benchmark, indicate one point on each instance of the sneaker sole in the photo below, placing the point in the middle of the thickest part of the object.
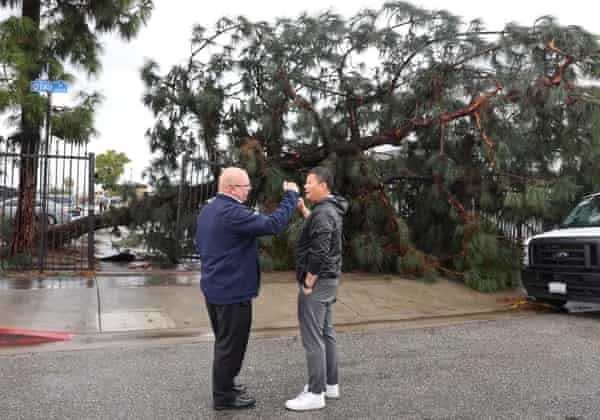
(304, 409)
(229, 407)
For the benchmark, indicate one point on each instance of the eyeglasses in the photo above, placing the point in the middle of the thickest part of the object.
(242, 185)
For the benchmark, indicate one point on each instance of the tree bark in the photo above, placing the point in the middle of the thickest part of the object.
(22, 240)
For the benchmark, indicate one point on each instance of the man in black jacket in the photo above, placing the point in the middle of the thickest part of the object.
(318, 268)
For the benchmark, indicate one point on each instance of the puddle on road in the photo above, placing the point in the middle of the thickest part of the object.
(108, 281)
(149, 280)
(47, 283)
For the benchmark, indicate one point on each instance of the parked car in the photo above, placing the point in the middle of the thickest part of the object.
(54, 210)
(68, 203)
(564, 264)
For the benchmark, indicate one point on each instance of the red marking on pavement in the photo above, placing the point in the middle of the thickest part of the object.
(14, 337)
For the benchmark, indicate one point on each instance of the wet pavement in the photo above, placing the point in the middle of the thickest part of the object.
(120, 299)
(151, 280)
(121, 280)
(541, 366)
(46, 283)
(167, 302)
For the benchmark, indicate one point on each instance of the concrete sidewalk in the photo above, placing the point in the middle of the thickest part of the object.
(154, 301)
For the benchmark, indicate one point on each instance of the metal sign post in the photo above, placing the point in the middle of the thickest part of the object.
(48, 86)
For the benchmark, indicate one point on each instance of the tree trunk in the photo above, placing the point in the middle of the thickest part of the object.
(23, 233)
(22, 240)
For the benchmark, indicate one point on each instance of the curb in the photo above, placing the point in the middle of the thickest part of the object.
(16, 337)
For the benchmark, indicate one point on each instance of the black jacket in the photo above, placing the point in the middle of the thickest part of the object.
(319, 248)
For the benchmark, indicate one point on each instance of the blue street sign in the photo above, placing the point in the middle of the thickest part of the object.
(60, 86)
(54, 86)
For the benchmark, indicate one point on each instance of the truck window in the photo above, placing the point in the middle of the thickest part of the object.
(586, 214)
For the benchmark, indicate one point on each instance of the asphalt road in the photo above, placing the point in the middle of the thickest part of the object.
(537, 366)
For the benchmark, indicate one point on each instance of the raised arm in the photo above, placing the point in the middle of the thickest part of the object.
(245, 221)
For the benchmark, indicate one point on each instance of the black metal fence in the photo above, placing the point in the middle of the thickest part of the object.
(409, 190)
(197, 184)
(62, 235)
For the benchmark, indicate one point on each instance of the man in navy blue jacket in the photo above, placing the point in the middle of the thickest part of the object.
(227, 241)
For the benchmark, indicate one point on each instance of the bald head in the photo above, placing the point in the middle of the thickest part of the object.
(232, 176)
(235, 182)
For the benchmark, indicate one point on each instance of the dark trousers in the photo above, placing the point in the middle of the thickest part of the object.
(231, 326)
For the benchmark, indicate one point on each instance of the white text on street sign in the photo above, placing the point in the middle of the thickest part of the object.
(53, 86)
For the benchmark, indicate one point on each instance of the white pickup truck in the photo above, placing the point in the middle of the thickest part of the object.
(564, 264)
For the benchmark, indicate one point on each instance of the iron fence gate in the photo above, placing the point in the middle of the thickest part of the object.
(197, 184)
(59, 235)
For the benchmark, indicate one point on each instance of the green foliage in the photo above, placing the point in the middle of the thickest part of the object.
(375, 215)
(409, 263)
(403, 231)
(277, 252)
(33, 45)
(367, 250)
(537, 198)
(272, 181)
(412, 264)
(250, 164)
(76, 124)
(110, 165)
(160, 235)
(493, 265)
(293, 232)
(267, 263)
(465, 122)
(6, 231)
(353, 172)
(48, 37)
(19, 262)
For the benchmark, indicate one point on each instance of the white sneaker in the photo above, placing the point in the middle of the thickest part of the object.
(306, 401)
(331, 391)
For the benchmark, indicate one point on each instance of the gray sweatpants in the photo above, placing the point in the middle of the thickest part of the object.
(318, 335)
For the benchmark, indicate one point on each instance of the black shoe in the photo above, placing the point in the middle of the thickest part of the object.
(239, 402)
(239, 388)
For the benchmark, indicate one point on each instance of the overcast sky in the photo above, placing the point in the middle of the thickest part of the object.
(122, 119)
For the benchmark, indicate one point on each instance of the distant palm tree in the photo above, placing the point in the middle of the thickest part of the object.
(35, 45)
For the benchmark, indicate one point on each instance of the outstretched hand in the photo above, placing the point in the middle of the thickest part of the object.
(290, 186)
(301, 206)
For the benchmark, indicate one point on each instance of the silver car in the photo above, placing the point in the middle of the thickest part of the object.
(56, 212)
(68, 204)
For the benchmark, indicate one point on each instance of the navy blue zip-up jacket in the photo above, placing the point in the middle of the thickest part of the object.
(227, 241)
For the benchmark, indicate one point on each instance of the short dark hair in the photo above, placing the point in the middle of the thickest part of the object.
(323, 174)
